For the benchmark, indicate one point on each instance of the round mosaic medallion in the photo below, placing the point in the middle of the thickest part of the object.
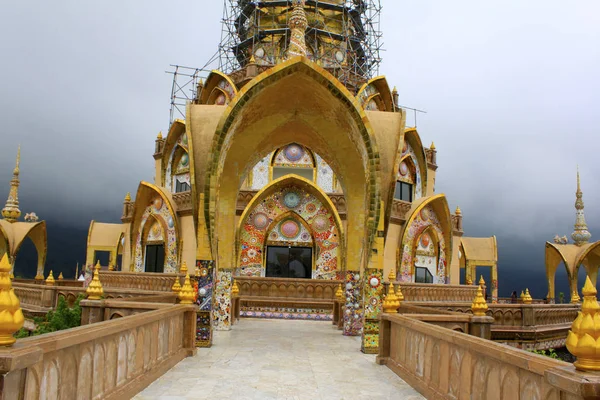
(170, 222)
(260, 220)
(311, 208)
(374, 281)
(203, 271)
(202, 292)
(289, 229)
(305, 237)
(291, 199)
(185, 160)
(425, 214)
(425, 240)
(403, 169)
(294, 152)
(252, 253)
(273, 235)
(157, 203)
(220, 100)
(320, 223)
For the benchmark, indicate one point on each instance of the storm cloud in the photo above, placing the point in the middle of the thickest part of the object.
(511, 90)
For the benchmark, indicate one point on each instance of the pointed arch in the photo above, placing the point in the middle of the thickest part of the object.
(378, 90)
(217, 83)
(16, 233)
(263, 116)
(412, 145)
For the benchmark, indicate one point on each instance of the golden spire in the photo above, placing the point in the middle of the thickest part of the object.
(339, 293)
(297, 24)
(159, 136)
(391, 302)
(176, 286)
(458, 211)
(50, 279)
(481, 281)
(432, 147)
(527, 299)
(94, 290)
(11, 211)
(580, 235)
(479, 305)
(128, 197)
(575, 297)
(392, 275)
(183, 269)
(235, 289)
(11, 315)
(60, 277)
(111, 267)
(394, 90)
(186, 294)
(582, 340)
(522, 296)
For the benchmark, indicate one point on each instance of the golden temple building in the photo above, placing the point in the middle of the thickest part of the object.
(295, 162)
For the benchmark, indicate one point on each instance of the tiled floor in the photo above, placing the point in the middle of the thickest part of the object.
(280, 359)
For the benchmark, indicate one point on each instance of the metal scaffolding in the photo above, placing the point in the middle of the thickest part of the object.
(353, 26)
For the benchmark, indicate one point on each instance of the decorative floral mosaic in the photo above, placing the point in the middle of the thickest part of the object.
(353, 311)
(290, 230)
(286, 313)
(206, 272)
(426, 256)
(425, 218)
(302, 208)
(407, 149)
(159, 209)
(325, 177)
(222, 304)
(293, 155)
(156, 232)
(260, 173)
(183, 163)
(373, 304)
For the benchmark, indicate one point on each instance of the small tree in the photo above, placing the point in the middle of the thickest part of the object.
(561, 297)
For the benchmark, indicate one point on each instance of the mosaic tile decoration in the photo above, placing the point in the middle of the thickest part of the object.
(293, 155)
(353, 311)
(183, 164)
(286, 313)
(299, 205)
(222, 303)
(373, 305)
(407, 149)
(425, 218)
(260, 173)
(159, 210)
(205, 284)
(324, 175)
(426, 256)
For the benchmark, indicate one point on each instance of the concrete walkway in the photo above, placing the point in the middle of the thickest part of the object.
(280, 359)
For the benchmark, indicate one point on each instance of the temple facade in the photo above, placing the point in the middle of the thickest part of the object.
(297, 164)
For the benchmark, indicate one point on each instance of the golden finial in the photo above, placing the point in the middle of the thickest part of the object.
(394, 91)
(11, 315)
(581, 235)
(469, 281)
(432, 147)
(94, 290)
(11, 211)
(159, 136)
(522, 296)
(339, 293)
(399, 294)
(183, 269)
(50, 279)
(575, 297)
(582, 340)
(479, 305)
(391, 302)
(527, 299)
(481, 281)
(176, 286)
(235, 289)
(60, 277)
(392, 275)
(186, 294)
(458, 211)
(111, 267)
(252, 59)
(128, 197)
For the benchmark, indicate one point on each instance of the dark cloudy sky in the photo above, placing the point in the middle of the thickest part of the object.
(511, 89)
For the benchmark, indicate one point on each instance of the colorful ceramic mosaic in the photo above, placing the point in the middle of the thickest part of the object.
(156, 232)
(159, 210)
(407, 149)
(426, 255)
(293, 155)
(260, 173)
(205, 279)
(222, 303)
(424, 219)
(353, 311)
(286, 313)
(183, 164)
(373, 302)
(269, 218)
(325, 176)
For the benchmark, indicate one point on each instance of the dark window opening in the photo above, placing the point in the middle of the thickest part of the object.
(422, 275)
(404, 191)
(155, 258)
(103, 257)
(182, 187)
(289, 262)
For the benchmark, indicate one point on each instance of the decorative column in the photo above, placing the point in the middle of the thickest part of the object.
(551, 291)
(297, 24)
(468, 273)
(494, 283)
(373, 290)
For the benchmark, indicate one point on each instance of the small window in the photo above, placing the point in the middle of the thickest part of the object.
(181, 186)
(422, 275)
(404, 191)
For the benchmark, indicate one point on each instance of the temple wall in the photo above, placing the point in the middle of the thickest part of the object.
(391, 245)
(188, 241)
(454, 267)
(443, 364)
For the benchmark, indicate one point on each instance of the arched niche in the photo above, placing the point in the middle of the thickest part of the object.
(153, 204)
(426, 249)
(375, 95)
(218, 89)
(429, 214)
(15, 234)
(298, 199)
(322, 114)
(412, 148)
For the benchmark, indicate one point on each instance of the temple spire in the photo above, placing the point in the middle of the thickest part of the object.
(580, 235)
(298, 24)
(11, 211)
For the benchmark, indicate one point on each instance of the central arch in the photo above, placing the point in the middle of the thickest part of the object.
(295, 101)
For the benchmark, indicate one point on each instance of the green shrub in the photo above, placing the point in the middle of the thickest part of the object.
(548, 353)
(62, 317)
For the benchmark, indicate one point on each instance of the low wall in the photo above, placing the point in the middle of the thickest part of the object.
(93, 311)
(109, 360)
(153, 281)
(437, 292)
(443, 364)
(287, 287)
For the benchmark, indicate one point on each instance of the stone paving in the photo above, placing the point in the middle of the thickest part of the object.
(280, 359)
